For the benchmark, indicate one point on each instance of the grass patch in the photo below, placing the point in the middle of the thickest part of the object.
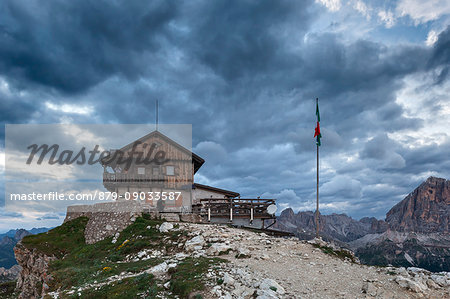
(342, 254)
(189, 275)
(242, 256)
(225, 252)
(60, 240)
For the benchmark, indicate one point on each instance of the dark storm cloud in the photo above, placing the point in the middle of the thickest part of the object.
(73, 45)
(244, 38)
(428, 157)
(441, 55)
(15, 110)
(245, 74)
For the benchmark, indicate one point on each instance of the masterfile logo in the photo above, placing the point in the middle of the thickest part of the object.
(49, 167)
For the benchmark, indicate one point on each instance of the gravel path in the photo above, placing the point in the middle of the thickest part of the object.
(304, 271)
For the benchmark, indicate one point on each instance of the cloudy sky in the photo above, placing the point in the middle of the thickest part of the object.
(245, 75)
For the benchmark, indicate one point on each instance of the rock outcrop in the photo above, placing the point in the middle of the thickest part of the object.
(425, 210)
(7, 244)
(33, 278)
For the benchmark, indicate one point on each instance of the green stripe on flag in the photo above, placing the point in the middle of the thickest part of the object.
(317, 111)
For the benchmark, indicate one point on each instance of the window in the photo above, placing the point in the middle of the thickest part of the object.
(170, 170)
(155, 170)
(141, 170)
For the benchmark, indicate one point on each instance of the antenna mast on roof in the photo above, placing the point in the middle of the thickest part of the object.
(156, 112)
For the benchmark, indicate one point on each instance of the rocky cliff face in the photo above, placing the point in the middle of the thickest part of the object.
(33, 278)
(7, 244)
(425, 210)
(418, 233)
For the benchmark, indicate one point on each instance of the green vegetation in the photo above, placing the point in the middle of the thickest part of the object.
(95, 262)
(342, 254)
(60, 240)
(80, 264)
(7, 289)
(189, 275)
(242, 256)
(226, 252)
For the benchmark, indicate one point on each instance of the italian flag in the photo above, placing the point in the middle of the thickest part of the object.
(317, 130)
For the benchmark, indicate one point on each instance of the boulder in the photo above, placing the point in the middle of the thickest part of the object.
(270, 284)
(441, 280)
(243, 252)
(161, 268)
(217, 249)
(369, 288)
(410, 284)
(165, 227)
(194, 243)
(228, 280)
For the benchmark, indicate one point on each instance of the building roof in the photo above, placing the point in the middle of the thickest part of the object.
(197, 160)
(214, 189)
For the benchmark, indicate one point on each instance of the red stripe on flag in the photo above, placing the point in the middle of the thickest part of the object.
(317, 130)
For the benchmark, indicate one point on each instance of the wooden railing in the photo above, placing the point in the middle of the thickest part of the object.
(252, 208)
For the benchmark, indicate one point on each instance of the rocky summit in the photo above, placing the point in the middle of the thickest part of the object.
(425, 210)
(155, 259)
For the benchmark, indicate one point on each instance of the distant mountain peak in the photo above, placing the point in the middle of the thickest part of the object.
(20, 233)
(433, 179)
(426, 209)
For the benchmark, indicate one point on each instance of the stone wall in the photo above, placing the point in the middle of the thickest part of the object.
(108, 219)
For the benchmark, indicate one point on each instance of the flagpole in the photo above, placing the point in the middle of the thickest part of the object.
(317, 186)
(317, 192)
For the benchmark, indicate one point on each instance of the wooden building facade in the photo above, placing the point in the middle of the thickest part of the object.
(159, 172)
